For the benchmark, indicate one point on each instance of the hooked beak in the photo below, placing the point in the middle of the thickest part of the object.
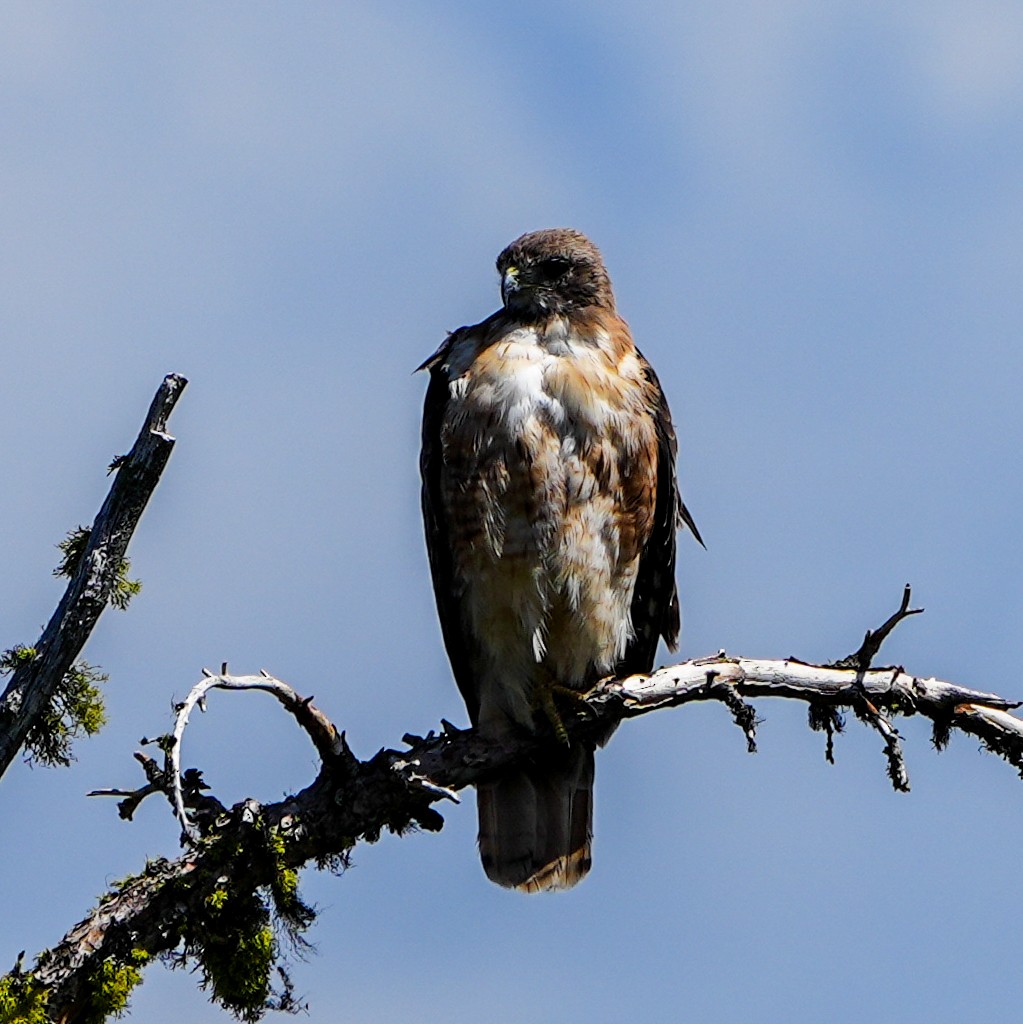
(509, 283)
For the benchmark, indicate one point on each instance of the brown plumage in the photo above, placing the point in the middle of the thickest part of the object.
(550, 505)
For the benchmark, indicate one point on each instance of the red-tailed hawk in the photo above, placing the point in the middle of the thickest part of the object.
(550, 505)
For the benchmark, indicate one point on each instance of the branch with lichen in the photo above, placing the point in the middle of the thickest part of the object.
(50, 697)
(230, 904)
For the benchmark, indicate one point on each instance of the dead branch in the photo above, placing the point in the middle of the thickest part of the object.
(245, 856)
(33, 685)
(864, 656)
(328, 742)
(352, 801)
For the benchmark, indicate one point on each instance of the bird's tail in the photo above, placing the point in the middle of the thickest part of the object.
(536, 823)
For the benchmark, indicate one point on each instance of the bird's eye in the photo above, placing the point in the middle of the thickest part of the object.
(552, 268)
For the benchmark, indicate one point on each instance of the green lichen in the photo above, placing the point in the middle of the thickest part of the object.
(124, 588)
(217, 899)
(285, 887)
(16, 657)
(234, 945)
(112, 987)
(73, 548)
(293, 914)
(75, 709)
(240, 975)
(234, 938)
(22, 1000)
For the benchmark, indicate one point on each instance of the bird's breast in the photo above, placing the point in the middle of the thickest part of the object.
(542, 423)
(576, 384)
(549, 467)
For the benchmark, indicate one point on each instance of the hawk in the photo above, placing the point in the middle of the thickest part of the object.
(550, 505)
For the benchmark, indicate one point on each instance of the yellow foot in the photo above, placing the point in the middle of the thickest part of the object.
(548, 707)
(577, 698)
(547, 692)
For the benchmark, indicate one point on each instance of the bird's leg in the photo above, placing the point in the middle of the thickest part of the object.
(547, 690)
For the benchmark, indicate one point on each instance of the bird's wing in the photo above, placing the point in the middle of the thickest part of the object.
(655, 609)
(460, 645)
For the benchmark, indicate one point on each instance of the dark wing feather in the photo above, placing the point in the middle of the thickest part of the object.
(460, 646)
(655, 611)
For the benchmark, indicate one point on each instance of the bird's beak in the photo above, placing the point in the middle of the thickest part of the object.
(509, 283)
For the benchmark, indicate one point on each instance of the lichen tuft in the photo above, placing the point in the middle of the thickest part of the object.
(22, 999)
(16, 657)
(72, 549)
(75, 710)
(112, 987)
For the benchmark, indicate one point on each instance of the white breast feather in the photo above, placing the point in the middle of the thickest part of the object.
(553, 603)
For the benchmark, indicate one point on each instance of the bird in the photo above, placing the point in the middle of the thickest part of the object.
(550, 505)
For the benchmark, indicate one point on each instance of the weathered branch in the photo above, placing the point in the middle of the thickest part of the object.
(166, 907)
(328, 741)
(214, 903)
(863, 657)
(34, 683)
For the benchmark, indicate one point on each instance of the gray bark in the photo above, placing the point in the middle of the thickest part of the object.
(33, 685)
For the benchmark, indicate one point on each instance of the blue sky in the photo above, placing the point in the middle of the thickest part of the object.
(813, 218)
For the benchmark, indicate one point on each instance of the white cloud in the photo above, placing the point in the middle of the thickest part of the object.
(969, 57)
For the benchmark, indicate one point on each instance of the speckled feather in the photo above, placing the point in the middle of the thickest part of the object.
(551, 506)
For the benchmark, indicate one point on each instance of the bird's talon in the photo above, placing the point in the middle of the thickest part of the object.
(546, 694)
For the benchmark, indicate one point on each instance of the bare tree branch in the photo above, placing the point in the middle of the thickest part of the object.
(214, 903)
(864, 656)
(34, 683)
(160, 910)
(794, 680)
(328, 741)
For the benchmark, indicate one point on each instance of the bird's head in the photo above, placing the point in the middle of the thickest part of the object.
(552, 273)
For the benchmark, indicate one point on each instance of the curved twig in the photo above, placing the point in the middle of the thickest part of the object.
(328, 741)
(863, 658)
(352, 801)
